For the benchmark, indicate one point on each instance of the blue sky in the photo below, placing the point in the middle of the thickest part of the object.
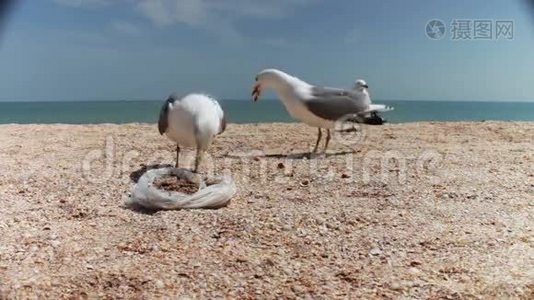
(137, 49)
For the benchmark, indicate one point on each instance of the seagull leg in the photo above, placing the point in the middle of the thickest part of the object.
(177, 154)
(328, 136)
(318, 140)
(198, 158)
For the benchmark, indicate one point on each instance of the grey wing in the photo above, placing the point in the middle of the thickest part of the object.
(332, 104)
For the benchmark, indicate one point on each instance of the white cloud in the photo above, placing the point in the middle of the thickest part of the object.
(167, 12)
(257, 8)
(195, 12)
(215, 15)
(157, 12)
(126, 28)
(83, 3)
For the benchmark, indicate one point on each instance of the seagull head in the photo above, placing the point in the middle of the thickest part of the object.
(269, 78)
(360, 85)
(256, 90)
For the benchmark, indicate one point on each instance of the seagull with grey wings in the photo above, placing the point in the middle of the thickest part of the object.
(192, 121)
(321, 107)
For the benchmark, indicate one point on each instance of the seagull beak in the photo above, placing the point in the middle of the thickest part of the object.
(256, 92)
(365, 86)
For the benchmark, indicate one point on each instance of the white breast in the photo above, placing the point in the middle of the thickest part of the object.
(194, 121)
(181, 126)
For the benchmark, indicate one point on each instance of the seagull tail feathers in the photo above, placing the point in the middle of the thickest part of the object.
(379, 108)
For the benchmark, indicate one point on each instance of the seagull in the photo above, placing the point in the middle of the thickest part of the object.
(318, 106)
(372, 118)
(192, 121)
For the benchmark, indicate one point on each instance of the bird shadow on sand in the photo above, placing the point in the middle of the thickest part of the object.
(140, 209)
(307, 155)
(135, 175)
(300, 155)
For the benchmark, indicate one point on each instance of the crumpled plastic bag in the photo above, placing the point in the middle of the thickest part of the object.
(215, 193)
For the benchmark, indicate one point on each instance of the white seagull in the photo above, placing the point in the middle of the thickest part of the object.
(372, 117)
(317, 106)
(192, 121)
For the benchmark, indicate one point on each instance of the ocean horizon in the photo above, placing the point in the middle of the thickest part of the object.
(246, 111)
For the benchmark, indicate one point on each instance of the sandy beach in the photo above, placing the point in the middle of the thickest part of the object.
(419, 210)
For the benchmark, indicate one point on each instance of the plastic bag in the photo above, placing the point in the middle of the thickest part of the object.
(214, 194)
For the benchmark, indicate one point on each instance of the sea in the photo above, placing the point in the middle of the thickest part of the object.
(246, 111)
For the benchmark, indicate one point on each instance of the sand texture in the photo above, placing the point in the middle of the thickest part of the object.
(417, 210)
